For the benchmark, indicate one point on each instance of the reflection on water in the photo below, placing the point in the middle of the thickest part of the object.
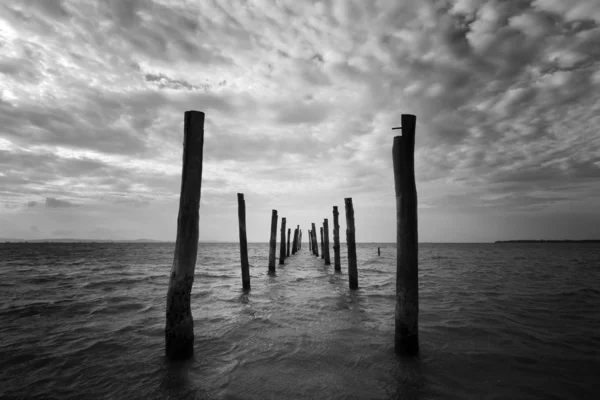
(508, 321)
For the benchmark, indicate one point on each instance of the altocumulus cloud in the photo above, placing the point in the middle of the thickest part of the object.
(300, 98)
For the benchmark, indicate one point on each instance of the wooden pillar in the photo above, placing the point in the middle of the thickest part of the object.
(351, 242)
(294, 241)
(315, 246)
(179, 328)
(406, 340)
(282, 244)
(326, 237)
(379, 251)
(243, 242)
(309, 241)
(336, 240)
(273, 242)
(322, 246)
(288, 242)
(300, 239)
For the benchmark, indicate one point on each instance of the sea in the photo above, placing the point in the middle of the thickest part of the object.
(496, 321)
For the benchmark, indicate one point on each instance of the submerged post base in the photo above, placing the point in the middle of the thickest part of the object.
(407, 344)
(179, 345)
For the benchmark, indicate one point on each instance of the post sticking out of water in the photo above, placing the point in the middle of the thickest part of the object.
(315, 246)
(282, 244)
(179, 328)
(326, 231)
(273, 242)
(406, 338)
(243, 242)
(379, 251)
(351, 242)
(336, 240)
(309, 241)
(295, 241)
(300, 240)
(288, 242)
(322, 246)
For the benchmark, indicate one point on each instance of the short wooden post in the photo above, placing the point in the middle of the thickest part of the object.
(326, 237)
(300, 239)
(309, 242)
(322, 246)
(179, 328)
(315, 246)
(282, 244)
(406, 338)
(351, 242)
(243, 242)
(336, 240)
(273, 241)
(288, 242)
(379, 251)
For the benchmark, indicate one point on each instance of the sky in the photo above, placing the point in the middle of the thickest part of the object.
(300, 98)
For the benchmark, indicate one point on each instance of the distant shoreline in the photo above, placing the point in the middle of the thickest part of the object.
(150, 241)
(548, 241)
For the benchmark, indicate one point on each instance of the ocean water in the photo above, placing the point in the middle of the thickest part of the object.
(497, 321)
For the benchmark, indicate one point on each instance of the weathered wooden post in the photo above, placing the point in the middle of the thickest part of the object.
(288, 242)
(322, 246)
(379, 251)
(273, 242)
(406, 340)
(351, 242)
(179, 328)
(300, 239)
(326, 237)
(282, 244)
(336, 240)
(294, 241)
(315, 246)
(243, 242)
(309, 241)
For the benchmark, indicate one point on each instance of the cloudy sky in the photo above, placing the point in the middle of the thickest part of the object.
(300, 98)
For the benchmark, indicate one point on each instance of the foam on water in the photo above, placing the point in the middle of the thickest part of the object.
(496, 321)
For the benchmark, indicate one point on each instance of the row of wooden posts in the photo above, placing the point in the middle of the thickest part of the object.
(179, 328)
(284, 250)
(350, 241)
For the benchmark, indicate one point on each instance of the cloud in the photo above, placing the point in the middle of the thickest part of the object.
(299, 97)
(52, 202)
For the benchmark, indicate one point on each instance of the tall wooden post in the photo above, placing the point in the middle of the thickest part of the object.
(282, 244)
(406, 338)
(179, 328)
(294, 241)
(288, 242)
(315, 246)
(351, 241)
(336, 240)
(273, 241)
(322, 245)
(243, 242)
(326, 237)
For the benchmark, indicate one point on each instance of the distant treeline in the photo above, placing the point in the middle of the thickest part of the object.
(549, 241)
